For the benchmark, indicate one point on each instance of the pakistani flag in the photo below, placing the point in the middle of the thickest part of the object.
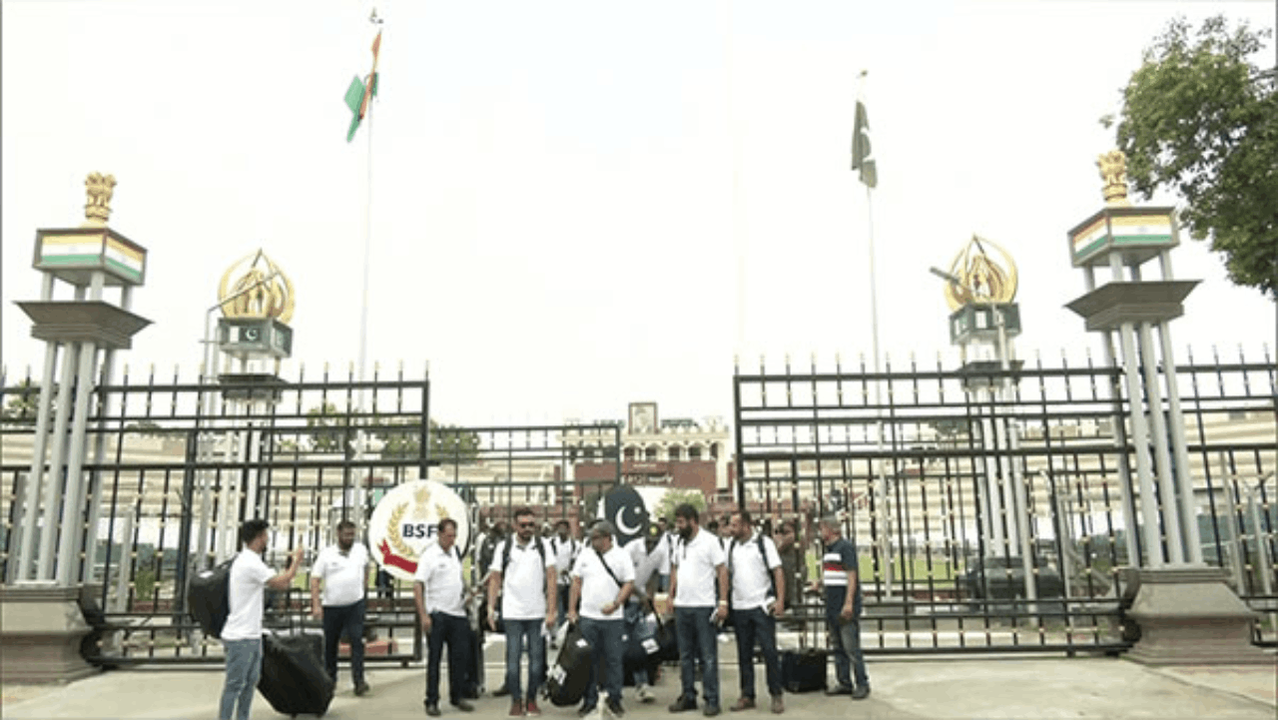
(361, 93)
(862, 154)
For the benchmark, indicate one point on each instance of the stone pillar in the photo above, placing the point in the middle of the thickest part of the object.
(42, 631)
(1186, 612)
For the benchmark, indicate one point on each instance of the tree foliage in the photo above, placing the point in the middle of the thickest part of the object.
(1200, 118)
(399, 437)
(674, 498)
(22, 406)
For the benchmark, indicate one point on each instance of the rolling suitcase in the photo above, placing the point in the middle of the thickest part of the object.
(804, 670)
(567, 679)
(293, 679)
(643, 652)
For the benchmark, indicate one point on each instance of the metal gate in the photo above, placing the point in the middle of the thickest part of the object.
(995, 525)
(175, 465)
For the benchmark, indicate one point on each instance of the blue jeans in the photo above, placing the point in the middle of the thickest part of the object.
(604, 637)
(562, 601)
(752, 625)
(698, 643)
(348, 619)
(455, 632)
(848, 660)
(519, 632)
(243, 668)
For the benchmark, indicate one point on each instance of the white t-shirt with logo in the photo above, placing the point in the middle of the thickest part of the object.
(440, 574)
(694, 564)
(343, 575)
(245, 593)
(751, 579)
(523, 588)
(597, 587)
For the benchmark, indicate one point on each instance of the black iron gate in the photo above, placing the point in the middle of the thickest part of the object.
(172, 465)
(995, 522)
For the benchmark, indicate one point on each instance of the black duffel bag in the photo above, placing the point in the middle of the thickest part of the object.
(208, 598)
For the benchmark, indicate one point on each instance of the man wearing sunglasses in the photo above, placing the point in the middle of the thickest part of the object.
(523, 573)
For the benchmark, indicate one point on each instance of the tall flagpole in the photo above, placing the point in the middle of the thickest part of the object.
(880, 506)
(361, 437)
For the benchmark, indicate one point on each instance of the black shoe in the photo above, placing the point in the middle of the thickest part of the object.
(432, 709)
(839, 690)
(361, 688)
(615, 708)
(502, 691)
(683, 704)
(584, 710)
(861, 692)
(710, 711)
(464, 706)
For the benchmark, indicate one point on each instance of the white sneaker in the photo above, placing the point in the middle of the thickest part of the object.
(644, 693)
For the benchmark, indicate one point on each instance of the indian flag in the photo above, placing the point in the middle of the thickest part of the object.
(71, 250)
(1090, 238)
(126, 260)
(1141, 229)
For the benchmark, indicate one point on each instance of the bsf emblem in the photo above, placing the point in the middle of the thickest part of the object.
(406, 522)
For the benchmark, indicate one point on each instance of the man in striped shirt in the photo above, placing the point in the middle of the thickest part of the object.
(843, 610)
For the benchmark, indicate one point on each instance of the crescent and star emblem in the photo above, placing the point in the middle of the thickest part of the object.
(620, 522)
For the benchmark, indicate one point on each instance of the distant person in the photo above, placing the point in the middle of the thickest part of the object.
(758, 599)
(523, 574)
(242, 634)
(793, 563)
(603, 578)
(664, 542)
(565, 549)
(639, 604)
(440, 594)
(698, 564)
(843, 610)
(342, 570)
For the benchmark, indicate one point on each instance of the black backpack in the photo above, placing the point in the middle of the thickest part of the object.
(208, 598)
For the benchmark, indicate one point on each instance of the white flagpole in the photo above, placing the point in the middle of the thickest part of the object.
(361, 438)
(880, 507)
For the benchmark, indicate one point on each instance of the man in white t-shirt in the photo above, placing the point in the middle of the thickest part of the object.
(342, 570)
(440, 595)
(697, 562)
(523, 573)
(565, 548)
(758, 599)
(602, 580)
(242, 634)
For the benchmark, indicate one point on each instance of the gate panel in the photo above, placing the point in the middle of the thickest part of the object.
(987, 524)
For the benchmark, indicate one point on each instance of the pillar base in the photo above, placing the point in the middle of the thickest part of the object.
(1189, 616)
(41, 628)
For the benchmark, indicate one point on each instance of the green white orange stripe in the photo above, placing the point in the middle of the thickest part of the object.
(1141, 229)
(1090, 237)
(71, 249)
(124, 259)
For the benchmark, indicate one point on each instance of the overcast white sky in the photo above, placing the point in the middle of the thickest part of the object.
(565, 193)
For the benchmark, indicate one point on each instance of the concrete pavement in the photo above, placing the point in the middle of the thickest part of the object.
(904, 689)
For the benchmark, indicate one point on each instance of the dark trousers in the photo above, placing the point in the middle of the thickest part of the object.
(453, 631)
(345, 620)
(605, 667)
(698, 644)
(750, 626)
(849, 663)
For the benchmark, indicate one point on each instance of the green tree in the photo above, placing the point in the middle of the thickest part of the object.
(449, 444)
(1200, 118)
(676, 497)
(22, 406)
(327, 428)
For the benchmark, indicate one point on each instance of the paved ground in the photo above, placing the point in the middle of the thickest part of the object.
(903, 689)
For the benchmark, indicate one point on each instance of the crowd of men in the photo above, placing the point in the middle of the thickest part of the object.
(531, 583)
